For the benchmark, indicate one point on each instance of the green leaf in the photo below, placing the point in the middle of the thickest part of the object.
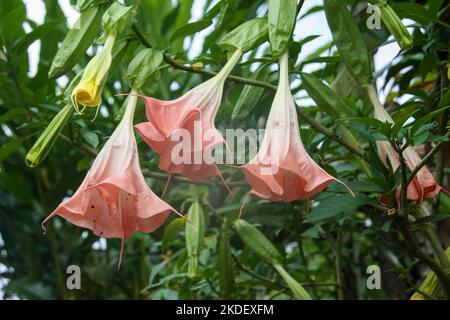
(214, 11)
(334, 205)
(170, 232)
(90, 138)
(281, 24)
(24, 42)
(250, 95)
(143, 67)
(413, 11)
(190, 29)
(348, 40)
(322, 59)
(83, 5)
(365, 186)
(225, 263)
(13, 114)
(323, 96)
(118, 51)
(118, 18)
(12, 145)
(257, 242)
(370, 121)
(30, 289)
(10, 25)
(432, 218)
(76, 42)
(84, 163)
(416, 125)
(246, 36)
(427, 65)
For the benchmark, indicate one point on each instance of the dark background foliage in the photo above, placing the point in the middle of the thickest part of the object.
(327, 242)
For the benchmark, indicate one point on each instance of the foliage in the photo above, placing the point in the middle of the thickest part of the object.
(324, 243)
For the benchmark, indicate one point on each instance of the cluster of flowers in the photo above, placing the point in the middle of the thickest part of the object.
(114, 200)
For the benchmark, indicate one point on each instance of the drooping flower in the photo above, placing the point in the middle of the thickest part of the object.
(89, 90)
(114, 200)
(187, 121)
(283, 170)
(423, 184)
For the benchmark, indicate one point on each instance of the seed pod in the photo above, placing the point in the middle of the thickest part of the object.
(77, 40)
(44, 143)
(396, 27)
(225, 263)
(349, 41)
(296, 288)
(430, 286)
(256, 241)
(194, 237)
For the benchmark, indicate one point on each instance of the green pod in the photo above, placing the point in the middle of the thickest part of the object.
(118, 19)
(44, 143)
(298, 291)
(194, 231)
(77, 40)
(258, 242)
(225, 263)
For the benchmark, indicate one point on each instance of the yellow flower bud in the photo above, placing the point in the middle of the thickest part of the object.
(88, 91)
(44, 144)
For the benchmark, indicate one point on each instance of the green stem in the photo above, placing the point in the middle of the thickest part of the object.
(430, 286)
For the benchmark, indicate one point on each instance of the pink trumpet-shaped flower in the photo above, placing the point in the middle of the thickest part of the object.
(282, 170)
(423, 184)
(192, 113)
(114, 200)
